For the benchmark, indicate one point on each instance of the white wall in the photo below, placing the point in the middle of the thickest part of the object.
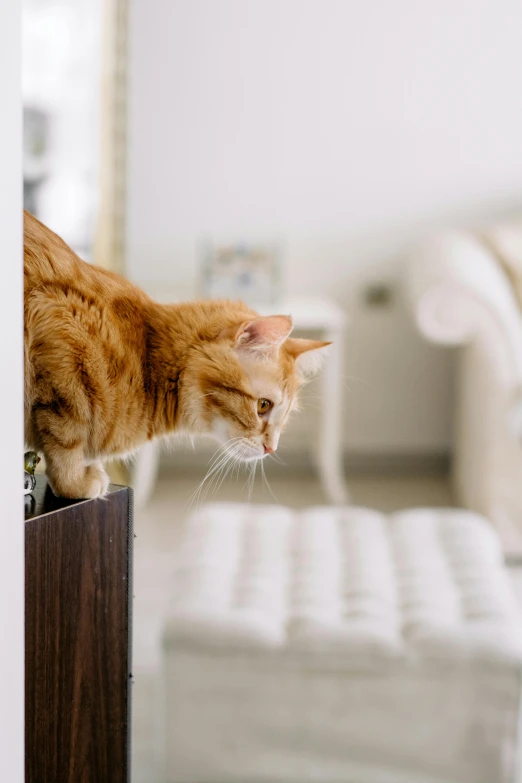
(11, 403)
(346, 128)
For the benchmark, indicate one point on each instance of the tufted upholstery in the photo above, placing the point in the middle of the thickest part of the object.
(339, 645)
(428, 581)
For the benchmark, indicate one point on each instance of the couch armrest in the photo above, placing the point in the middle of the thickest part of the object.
(458, 293)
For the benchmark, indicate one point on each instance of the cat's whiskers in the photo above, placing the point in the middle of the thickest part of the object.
(265, 480)
(217, 458)
(196, 494)
(277, 459)
(208, 479)
(224, 456)
(252, 478)
(221, 472)
(356, 379)
(215, 472)
(229, 467)
(221, 450)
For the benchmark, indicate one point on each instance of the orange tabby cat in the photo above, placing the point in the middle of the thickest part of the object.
(107, 368)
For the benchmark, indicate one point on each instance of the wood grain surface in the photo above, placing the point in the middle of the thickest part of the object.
(77, 635)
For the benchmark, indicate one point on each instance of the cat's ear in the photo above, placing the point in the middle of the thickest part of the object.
(262, 335)
(307, 354)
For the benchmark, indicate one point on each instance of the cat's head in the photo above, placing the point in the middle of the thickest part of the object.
(247, 382)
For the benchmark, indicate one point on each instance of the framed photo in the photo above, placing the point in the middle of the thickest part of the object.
(239, 270)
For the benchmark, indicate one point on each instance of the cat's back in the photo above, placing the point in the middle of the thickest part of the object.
(65, 297)
(47, 258)
(52, 269)
(81, 322)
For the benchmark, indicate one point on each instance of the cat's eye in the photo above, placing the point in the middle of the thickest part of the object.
(263, 406)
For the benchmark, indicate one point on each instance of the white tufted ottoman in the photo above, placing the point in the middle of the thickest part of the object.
(341, 646)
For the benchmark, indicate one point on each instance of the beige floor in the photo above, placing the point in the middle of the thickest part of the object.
(157, 527)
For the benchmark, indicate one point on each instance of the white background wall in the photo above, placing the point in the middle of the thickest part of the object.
(347, 129)
(11, 403)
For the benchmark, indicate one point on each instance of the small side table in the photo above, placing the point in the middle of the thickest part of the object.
(78, 619)
(320, 315)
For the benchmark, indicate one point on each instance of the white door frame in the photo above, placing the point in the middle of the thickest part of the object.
(11, 400)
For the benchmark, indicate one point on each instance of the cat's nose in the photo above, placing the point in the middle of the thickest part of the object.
(268, 449)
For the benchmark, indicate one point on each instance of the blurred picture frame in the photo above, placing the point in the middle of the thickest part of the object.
(250, 271)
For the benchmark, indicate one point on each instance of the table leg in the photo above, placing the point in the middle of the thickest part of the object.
(329, 454)
(145, 472)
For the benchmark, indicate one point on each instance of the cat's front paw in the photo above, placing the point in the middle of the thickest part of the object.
(96, 482)
(69, 477)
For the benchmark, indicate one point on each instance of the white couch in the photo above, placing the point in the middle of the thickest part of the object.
(460, 296)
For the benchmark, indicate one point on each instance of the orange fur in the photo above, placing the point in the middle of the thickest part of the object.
(107, 368)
